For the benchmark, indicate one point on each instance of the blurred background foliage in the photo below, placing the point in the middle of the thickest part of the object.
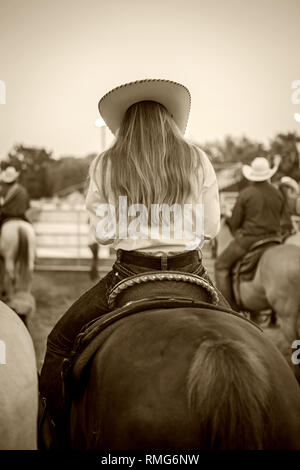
(45, 176)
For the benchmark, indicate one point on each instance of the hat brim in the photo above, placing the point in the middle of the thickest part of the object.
(252, 176)
(173, 96)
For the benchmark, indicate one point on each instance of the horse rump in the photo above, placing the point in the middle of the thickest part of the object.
(187, 378)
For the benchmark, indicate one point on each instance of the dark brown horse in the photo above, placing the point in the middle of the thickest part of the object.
(186, 378)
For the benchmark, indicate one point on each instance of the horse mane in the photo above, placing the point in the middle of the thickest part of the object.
(228, 391)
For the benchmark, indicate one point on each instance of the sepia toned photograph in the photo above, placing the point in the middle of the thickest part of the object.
(149, 228)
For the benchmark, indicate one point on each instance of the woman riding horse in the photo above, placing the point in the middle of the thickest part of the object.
(150, 164)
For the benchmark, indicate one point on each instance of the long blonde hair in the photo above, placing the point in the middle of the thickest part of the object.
(150, 161)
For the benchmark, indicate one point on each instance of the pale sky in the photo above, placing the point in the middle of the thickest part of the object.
(58, 57)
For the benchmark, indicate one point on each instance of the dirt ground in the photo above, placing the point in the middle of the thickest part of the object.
(54, 292)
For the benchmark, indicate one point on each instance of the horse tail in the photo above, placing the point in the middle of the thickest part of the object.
(23, 258)
(228, 391)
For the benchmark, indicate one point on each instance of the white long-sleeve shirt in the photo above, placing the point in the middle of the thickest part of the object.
(136, 232)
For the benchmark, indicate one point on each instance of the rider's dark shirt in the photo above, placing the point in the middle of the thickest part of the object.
(16, 204)
(257, 212)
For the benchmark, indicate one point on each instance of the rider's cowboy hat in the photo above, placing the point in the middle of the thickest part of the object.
(9, 175)
(288, 181)
(173, 96)
(259, 170)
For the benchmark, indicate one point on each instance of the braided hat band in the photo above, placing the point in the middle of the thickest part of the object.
(174, 96)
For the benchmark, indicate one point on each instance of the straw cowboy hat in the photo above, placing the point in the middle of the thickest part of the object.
(288, 181)
(9, 175)
(259, 170)
(173, 96)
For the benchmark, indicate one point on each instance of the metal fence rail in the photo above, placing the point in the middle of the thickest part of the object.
(62, 240)
(63, 237)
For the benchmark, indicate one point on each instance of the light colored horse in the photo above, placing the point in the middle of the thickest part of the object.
(18, 384)
(276, 283)
(293, 240)
(17, 247)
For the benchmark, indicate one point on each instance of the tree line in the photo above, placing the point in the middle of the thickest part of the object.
(43, 175)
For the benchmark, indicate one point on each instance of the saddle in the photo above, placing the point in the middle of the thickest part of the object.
(147, 291)
(245, 269)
